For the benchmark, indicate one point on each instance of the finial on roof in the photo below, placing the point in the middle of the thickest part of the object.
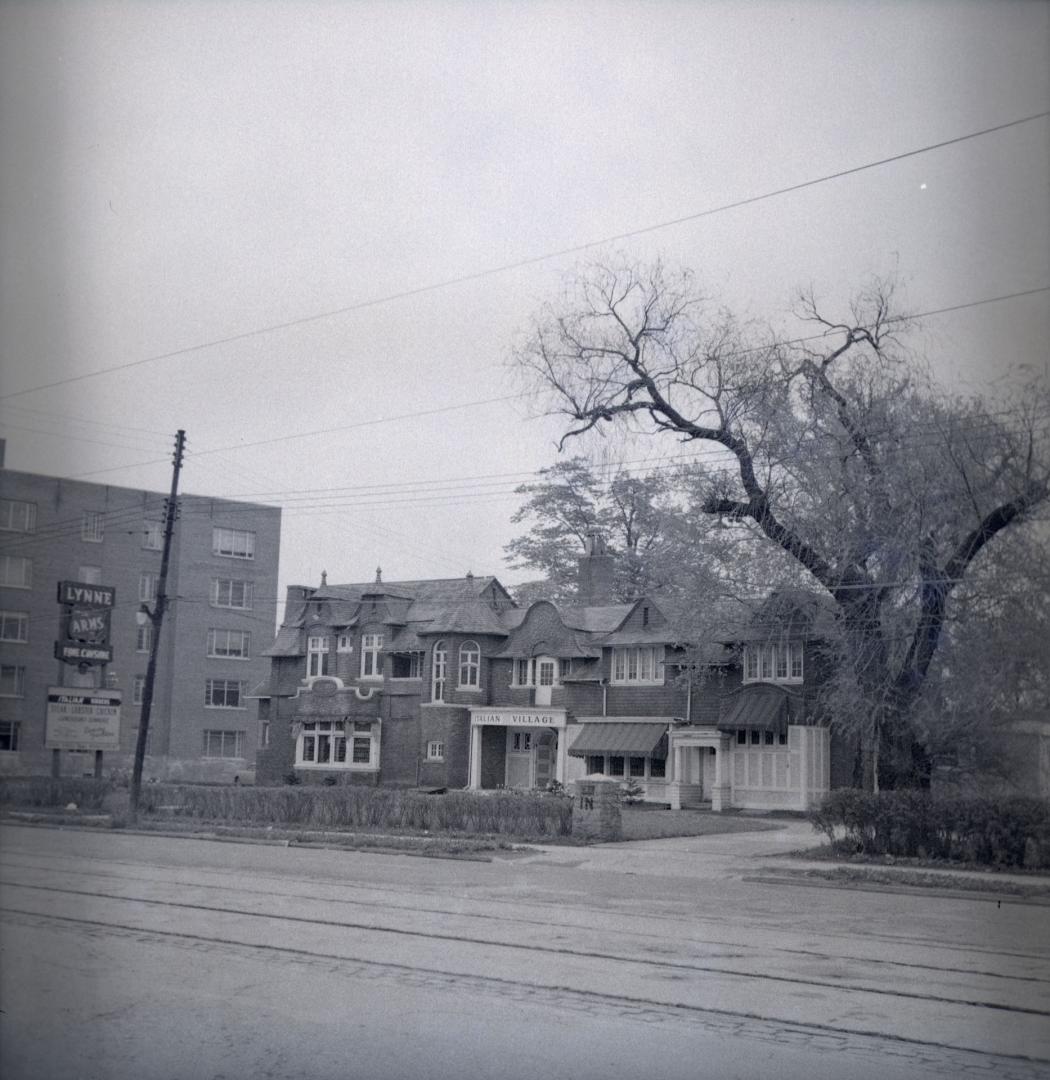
(324, 578)
(470, 575)
(379, 575)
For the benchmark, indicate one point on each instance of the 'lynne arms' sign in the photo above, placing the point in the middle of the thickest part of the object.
(81, 594)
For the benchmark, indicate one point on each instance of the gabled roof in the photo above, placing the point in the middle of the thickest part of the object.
(596, 620)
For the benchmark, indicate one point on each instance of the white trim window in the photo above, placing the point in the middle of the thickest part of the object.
(223, 743)
(230, 644)
(148, 588)
(230, 593)
(470, 666)
(538, 671)
(144, 638)
(407, 665)
(338, 744)
(138, 688)
(639, 665)
(233, 543)
(435, 751)
(17, 516)
(779, 661)
(16, 572)
(12, 681)
(153, 536)
(224, 694)
(14, 626)
(438, 671)
(371, 656)
(344, 643)
(317, 652)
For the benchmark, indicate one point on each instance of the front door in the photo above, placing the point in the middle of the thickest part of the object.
(519, 758)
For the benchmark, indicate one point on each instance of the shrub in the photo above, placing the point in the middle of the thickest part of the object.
(993, 831)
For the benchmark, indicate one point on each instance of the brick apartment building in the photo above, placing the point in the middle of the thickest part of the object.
(449, 684)
(222, 587)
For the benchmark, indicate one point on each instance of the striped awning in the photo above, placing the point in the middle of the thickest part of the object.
(648, 739)
(762, 708)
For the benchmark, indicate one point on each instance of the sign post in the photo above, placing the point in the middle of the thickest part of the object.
(88, 720)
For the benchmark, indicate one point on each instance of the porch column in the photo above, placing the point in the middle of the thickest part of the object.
(561, 762)
(475, 757)
(720, 795)
(676, 779)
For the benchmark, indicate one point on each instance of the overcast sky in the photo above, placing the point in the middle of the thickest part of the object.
(175, 175)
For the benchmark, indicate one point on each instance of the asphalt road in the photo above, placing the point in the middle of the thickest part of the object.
(130, 956)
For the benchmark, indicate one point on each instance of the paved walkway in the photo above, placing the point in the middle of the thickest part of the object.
(740, 854)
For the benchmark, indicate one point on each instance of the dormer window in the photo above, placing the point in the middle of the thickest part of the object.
(317, 647)
(371, 662)
(780, 661)
(638, 665)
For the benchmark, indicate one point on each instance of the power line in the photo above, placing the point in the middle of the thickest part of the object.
(512, 397)
(529, 261)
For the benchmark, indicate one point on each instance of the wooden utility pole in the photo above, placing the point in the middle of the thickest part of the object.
(156, 618)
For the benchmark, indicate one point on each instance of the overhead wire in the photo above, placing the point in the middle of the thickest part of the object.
(531, 260)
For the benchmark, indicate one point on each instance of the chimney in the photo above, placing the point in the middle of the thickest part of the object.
(594, 583)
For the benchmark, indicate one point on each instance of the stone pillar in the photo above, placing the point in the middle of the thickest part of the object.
(474, 781)
(596, 814)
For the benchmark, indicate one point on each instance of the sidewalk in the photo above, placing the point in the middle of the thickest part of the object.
(753, 854)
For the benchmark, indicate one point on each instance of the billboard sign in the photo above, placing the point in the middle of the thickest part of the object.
(73, 652)
(82, 719)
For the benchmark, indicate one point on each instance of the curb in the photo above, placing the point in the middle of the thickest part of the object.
(977, 895)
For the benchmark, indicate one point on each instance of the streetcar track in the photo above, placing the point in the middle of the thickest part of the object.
(679, 919)
(510, 984)
(463, 939)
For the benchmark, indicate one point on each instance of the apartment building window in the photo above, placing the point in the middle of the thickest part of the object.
(523, 672)
(435, 751)
(345, 643)
(147, 588)
(12, 681)
(316, 656)
(153, 535)
(92, 527)
(371, 661)
(223, 744)
(328, 742)
(224, 694)
(9, 732)
(407, 665)
(469, 666)
(233, 543)
(138, 689)
(14, 626)
(264, 733)
(17, 516)
(438, 671)
(228, 593)
(638, 665)
(230, 644)
(16, 572)
(90, 575)
(779, 661)
(144, 638)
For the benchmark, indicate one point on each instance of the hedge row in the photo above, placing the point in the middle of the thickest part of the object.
(503, 813)
(995, 831)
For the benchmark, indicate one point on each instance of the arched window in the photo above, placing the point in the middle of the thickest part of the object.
(438, 671)
(469, 665)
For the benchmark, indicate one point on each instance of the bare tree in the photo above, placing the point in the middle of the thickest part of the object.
(837, 449)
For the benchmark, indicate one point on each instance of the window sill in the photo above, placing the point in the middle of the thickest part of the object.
(224, 708)
(636, 682)
(212, 656)
(469, 690)
(776, 682)
(335, 766)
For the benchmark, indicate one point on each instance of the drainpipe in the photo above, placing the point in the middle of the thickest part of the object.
(604, 683)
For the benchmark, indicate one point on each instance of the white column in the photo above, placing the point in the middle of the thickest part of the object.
(475, 757)
(561, 762)
(676, 779)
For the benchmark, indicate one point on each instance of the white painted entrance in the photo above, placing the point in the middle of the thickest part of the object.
(546, 672)
(519, 758)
